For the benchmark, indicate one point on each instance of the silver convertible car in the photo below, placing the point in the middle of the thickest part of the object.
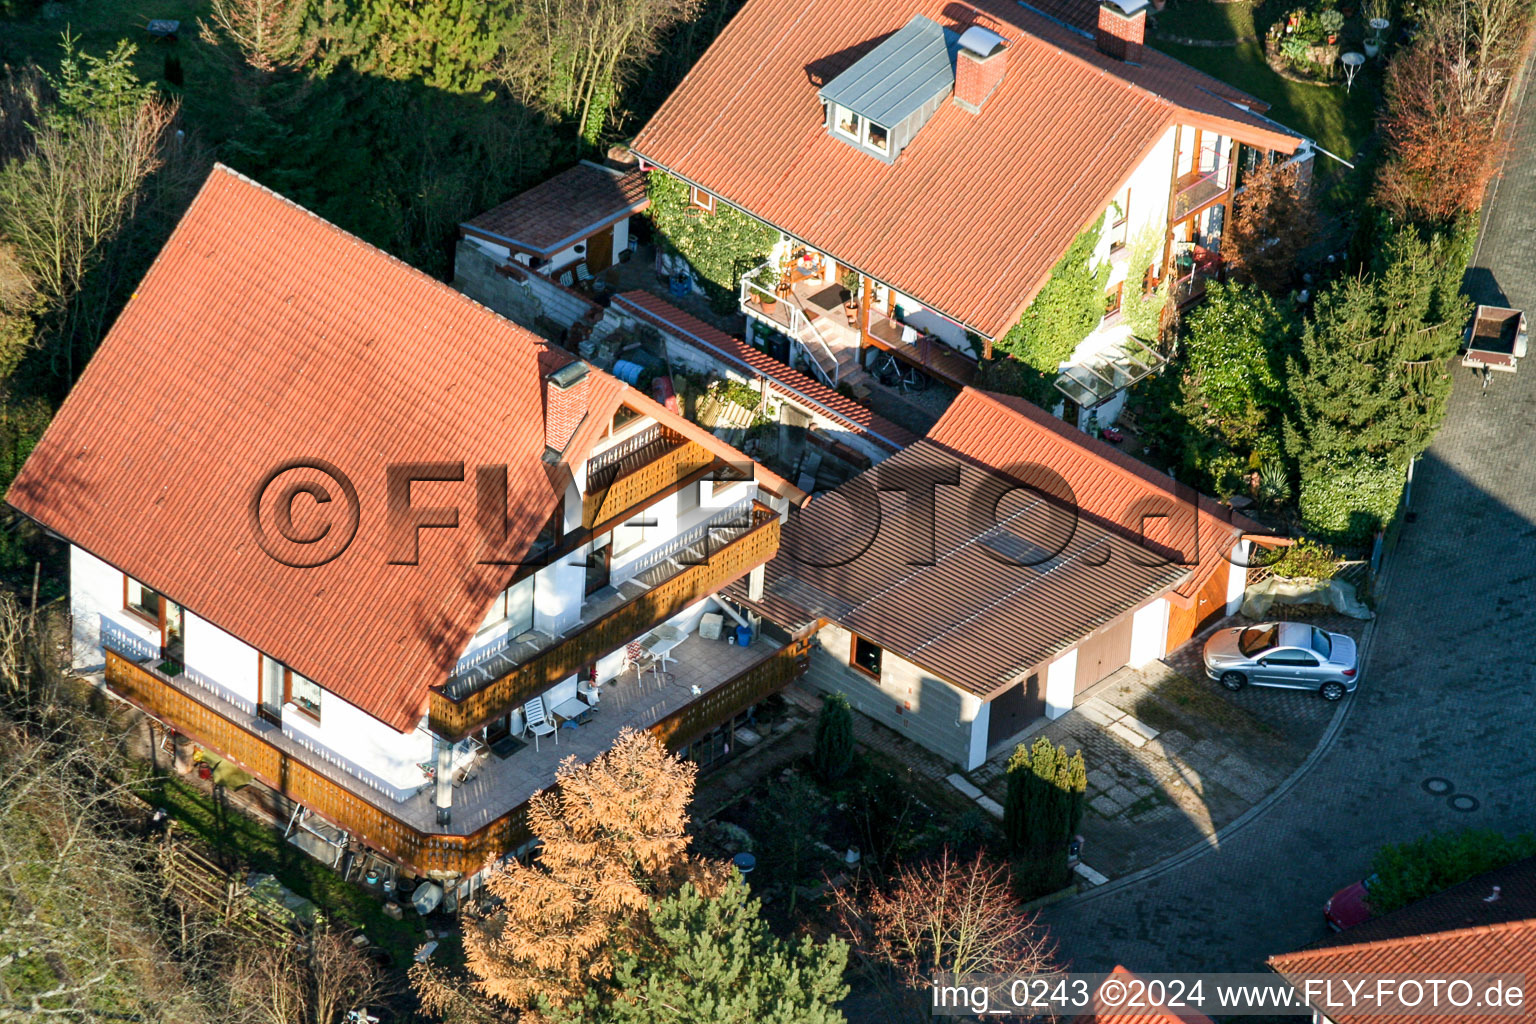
(1293, 655)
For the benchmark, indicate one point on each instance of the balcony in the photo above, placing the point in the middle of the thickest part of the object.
(1194, 190)
(657, 587)
(810, 312)
(624, 475)
(922, 350)
(489, 814)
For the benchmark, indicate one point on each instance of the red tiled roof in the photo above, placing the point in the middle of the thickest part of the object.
(781, 378)
(1114, 489)
(977, 208)
(559, 212)
(1460, 930)
(263, 334)
(1113, 1015)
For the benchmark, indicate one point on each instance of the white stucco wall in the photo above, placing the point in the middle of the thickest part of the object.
(1149, 633)
(937, 324)
(362, 746)
(96, 589)
(1061, 684)
(222, 662)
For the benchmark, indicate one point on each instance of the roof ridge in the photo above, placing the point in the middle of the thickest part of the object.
(442, 286)
(1398, 941)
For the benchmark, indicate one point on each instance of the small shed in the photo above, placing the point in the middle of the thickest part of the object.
(581, 215)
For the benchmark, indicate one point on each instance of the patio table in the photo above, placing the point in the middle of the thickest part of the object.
(661, 640)
(571, 710)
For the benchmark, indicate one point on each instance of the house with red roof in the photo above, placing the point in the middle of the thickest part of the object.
(1484, 926)
(942, 156)
(391, 554)
(993, 571)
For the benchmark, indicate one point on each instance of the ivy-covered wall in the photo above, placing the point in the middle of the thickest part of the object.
(1065, 311)
(721, 246)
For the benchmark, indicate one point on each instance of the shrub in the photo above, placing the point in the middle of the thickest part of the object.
(1036, 875)
(1349, 505)
(1306, 559)
(1406, 872)
(833, 753)
(1044, 801)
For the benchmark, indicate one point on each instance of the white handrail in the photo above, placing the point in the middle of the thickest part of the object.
(799, 324)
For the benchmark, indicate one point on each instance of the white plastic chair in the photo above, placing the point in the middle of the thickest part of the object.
(536, 721)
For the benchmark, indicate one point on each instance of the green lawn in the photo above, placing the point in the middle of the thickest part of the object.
(1338, 121)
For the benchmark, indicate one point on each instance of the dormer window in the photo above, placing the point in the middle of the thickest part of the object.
(846, 122)
(881, 102)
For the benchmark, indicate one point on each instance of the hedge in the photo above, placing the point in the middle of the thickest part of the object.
(1348, 505)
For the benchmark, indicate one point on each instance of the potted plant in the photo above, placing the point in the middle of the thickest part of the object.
(1331, 21)
(766, 289)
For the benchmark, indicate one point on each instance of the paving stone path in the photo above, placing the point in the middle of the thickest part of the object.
(1446, 691)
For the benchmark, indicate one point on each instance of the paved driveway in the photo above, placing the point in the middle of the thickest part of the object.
(1449, 690)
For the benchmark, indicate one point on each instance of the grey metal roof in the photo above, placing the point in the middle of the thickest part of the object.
(912, 66)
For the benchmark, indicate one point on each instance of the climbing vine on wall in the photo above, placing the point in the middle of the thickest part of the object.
(720, 246)
(1066, 309)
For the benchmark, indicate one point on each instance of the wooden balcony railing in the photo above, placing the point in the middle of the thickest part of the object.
(453, 719)
(663, 459)
(1198, 188)
(289, 774)
(348, 809)
(735, 695)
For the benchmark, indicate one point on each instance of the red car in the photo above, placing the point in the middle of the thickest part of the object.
(1350, 905)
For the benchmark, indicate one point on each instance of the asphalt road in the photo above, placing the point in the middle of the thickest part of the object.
(1448, 692)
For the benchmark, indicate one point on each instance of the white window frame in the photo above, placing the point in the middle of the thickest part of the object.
(857, 135)
(866, 125)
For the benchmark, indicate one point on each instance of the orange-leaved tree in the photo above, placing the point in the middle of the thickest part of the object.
(611, 841)
(1273, 222)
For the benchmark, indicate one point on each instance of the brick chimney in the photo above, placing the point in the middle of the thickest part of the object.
(1122, 29)
(979, 67)
(565, 403)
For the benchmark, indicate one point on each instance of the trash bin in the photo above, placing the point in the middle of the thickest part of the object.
(743, 636)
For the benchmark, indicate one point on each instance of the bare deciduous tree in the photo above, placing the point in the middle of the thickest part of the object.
(1273, 222)
(941, 917)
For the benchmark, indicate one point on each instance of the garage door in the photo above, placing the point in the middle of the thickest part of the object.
(1013, 709)
(1100, 655)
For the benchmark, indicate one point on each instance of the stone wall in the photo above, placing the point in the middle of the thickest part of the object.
(516, 293)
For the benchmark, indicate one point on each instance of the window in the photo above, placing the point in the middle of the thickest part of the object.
(1321, 642)
(512, 607)
(278, 679)
(1253, 640)
(866, 657)
(304, 694)
(703, 200)
(141, 600)
(1290, 658)
(1120, 220)
(1113, 298)
(845, 121)
(877, 137)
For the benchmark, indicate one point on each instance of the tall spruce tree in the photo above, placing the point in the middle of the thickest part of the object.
(1370, 384)
(833, 752)
(714, 961)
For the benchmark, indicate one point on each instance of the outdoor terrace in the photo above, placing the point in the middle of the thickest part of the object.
(487, 803)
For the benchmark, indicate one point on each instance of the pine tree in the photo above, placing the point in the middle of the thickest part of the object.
(833, 753)
(714, 961)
